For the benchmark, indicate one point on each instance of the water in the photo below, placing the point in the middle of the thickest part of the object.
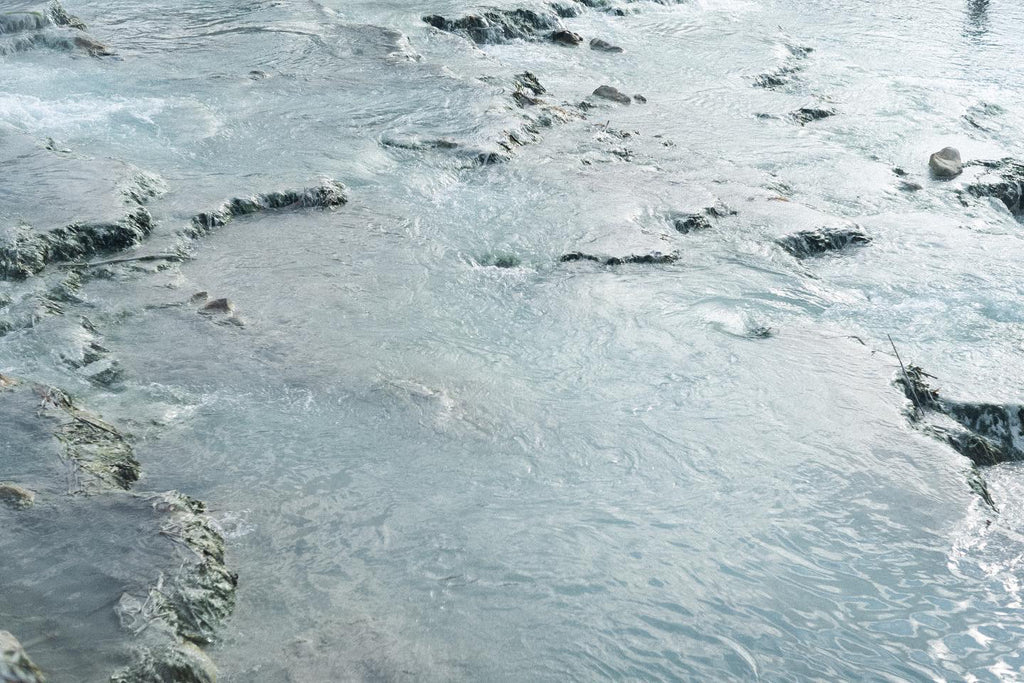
(431, 468)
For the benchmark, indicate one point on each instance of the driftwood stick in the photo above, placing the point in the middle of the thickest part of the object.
(111, 262)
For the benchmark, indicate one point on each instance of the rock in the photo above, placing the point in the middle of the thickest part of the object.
(639, 99)
(1006, 185)
(183, 663)
(692, 223)
(328, 194)
(900, 172)
(761, 332)
(607, 92)
(564, 37)
(16, 497)
(501, 26)
(946, 163)
(199, 297)
(908, 186)
(653, 258)
(695, 222)
(25, 253)
(815, 242)
(988, 434)
(604, 46)
(15, 665)
(806, 115)
(218, 306)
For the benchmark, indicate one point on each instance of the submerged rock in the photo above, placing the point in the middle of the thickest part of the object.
(806, 115)
(1005, 184)
(183, 663)
(696, 222)
(946, 163)
(607, 92)
(816, 242)
(986, 433)
(653, 258)
(604, 46)
(218, 306)
(16, 497)
(15, 665)
(329, 194)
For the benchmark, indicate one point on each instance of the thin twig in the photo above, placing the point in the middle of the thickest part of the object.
(111, 262)
(906, 377)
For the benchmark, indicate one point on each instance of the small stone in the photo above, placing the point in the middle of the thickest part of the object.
(16, 497)
(604, 46)
(607, 92)
(15, 666)
(566, 38)
(639, 99)
(218, 306)
(946, 163)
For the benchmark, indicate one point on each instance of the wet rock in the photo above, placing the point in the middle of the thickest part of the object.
(816, 242)
(946, 163)
(102, 457)
(607, 92)
(1005, 183)
(806, 115)
(696, 222)
(761, 332)
(24, 252)
(183, 663)
(900, 172)
(501, 260)
(639, 99)
(199, 297)
(656, 257)
(604, 46)
(909, 186)
(986, 433)
(496, 26)
(568, 38)
(218, 306)
(775, 79)
(692, 223)
(16, 497)
(202, 595)
(329, 194)
(15, 665)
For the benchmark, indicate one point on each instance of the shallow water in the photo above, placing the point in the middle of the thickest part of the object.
(428, 467)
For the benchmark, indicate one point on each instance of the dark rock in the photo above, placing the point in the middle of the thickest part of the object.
(696, 222)
(501, 26)
(199, 297)
(1006, 184)
(329, 194)
(604, 46)
(986, 433)
(815, 242)
(653, 258)
(15, 665)
(563, 37)
(692, 223)
(761, 332)
(900, 172)
(639, 99)
(607, 92)
(908, 186)
(806, 115)
(218, 306)
(946, 163)
(26, 253)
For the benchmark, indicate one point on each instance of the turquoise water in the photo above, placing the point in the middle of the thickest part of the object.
(428, 467)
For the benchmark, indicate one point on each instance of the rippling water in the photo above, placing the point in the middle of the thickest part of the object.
(428, 467)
